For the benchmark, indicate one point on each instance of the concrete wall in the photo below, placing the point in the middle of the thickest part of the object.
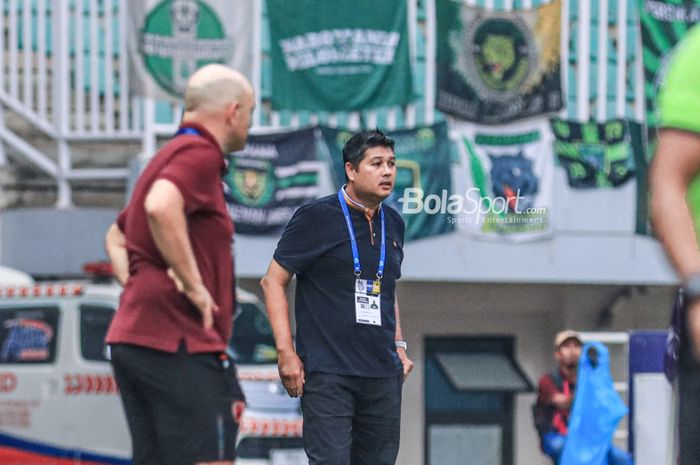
(467, 310)
(52, 242)
(530, 313)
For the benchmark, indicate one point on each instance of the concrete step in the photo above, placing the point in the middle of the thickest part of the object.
(24, 185)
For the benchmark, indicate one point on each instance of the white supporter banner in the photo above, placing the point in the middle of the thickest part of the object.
(509, 184)
(168, 40)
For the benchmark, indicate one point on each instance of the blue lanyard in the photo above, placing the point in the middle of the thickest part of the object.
(188, 132)
(353, 241)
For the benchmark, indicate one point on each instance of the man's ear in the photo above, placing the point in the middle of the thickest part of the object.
(232, 110)
(350, 171)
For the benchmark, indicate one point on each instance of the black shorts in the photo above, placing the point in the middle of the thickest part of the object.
(178, 406)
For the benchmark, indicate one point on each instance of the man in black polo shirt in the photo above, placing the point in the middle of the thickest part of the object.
(350, 360)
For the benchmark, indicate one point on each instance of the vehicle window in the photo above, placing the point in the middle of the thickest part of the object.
(94, 322)
(252, 341)
(28, 335)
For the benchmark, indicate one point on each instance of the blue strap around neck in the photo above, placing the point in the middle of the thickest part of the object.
(188, 132)
(353, 240)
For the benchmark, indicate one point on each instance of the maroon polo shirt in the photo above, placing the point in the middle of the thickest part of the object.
(152, 312)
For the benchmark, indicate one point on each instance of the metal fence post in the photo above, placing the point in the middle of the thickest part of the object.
(61, 113)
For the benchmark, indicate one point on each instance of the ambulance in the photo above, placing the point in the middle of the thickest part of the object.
(59, 403)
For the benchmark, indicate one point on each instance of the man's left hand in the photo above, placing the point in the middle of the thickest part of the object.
(405, 361)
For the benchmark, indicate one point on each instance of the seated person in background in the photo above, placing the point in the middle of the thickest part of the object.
(555, 395)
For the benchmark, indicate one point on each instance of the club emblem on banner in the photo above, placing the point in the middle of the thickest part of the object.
(252, 182)
(494, 67)
(500, 55)
(407, 177)
(179, 36)
(513, 175)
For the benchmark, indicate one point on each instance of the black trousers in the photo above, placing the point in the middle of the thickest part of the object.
(689, 398)
(178, 406)
(350, 420)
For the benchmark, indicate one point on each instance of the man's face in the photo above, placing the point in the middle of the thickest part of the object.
(568, 353)
(375, 174)
(240, 120)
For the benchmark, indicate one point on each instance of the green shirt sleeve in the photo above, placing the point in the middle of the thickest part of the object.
(679, 100)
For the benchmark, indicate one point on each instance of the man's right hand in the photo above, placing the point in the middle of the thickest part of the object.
(200, 297)
(562, 401)
(291, 371)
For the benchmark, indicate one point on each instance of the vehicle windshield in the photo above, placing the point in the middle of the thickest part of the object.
(252, 342)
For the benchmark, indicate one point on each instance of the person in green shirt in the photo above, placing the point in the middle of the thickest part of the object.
(675, 186)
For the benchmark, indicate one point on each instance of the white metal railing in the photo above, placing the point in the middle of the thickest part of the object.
(81, 66)
(65, 72)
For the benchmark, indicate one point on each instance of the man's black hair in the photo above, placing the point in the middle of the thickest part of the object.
(355, 148)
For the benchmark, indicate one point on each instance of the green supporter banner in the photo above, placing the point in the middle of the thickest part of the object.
(595, 155)
(510, 182)
(496, 67)
(423, 165)
(270, 178)
(340, 55)
(664, 23)
(640, 144)
(168, 40)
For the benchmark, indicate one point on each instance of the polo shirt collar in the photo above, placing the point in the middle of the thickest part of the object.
(203, 132)
(354, 204)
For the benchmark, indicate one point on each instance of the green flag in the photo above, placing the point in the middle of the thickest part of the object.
(270, 178)
(595, 154)
(341, 55)
(664, 23)
(423, 163)
(494, 67)
(168, 40)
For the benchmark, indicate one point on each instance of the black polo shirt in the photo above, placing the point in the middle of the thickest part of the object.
(315, 245)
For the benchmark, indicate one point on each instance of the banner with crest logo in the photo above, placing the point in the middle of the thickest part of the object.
(170, 39)
(270, 178)
(423, 169)
(510, 180)
(494, 67)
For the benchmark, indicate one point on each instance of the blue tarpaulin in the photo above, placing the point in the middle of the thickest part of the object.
(596, 412)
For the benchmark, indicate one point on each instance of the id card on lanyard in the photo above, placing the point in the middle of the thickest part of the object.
(367, 291)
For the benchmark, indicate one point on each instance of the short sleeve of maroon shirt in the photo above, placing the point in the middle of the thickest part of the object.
(152, 312)
(192, 171)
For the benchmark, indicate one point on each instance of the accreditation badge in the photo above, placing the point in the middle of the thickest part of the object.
(368, 302)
